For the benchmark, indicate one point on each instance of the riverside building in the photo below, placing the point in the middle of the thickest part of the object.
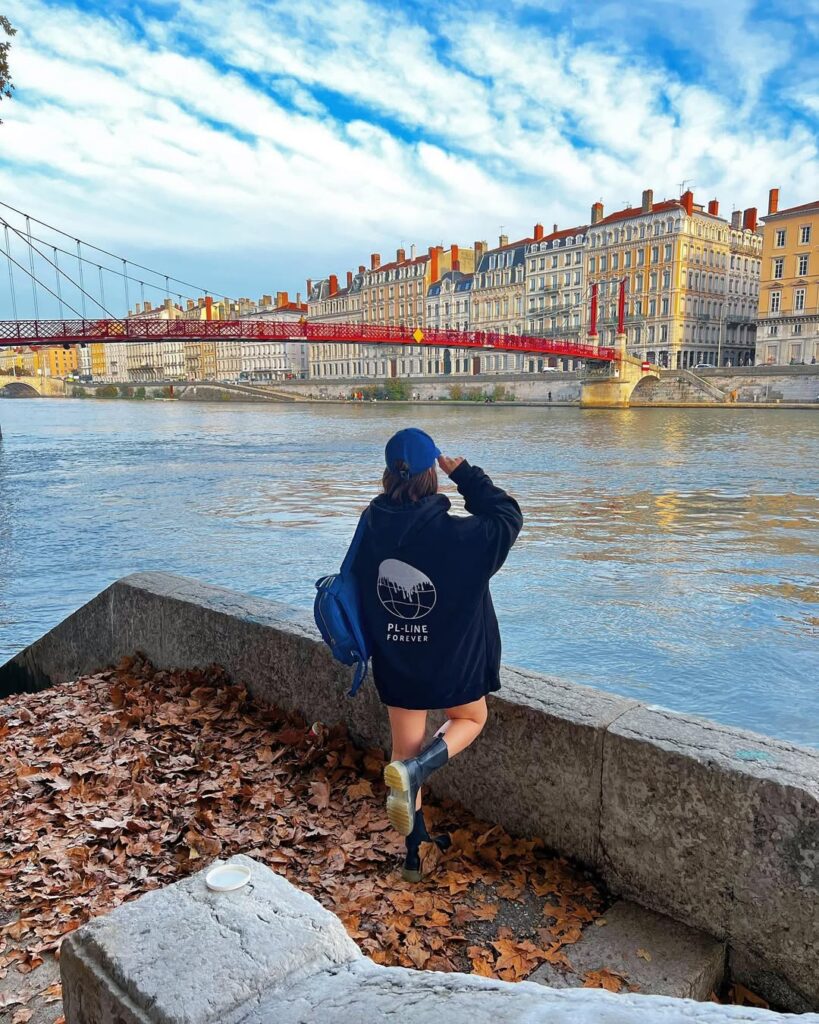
(556, 297)
(387, 294)
(498, 295)
(275, 360)
(788, 312)
(675, 258)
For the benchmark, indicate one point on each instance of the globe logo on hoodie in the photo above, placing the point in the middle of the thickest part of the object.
(404, 591)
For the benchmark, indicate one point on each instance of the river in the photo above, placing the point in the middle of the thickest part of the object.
(668, 554)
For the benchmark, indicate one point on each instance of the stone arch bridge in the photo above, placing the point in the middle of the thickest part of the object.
(31, 387)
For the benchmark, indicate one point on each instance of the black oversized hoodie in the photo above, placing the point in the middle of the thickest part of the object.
(423, 576)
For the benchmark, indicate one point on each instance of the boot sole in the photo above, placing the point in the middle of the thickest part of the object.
(410, 876)
(400, 809)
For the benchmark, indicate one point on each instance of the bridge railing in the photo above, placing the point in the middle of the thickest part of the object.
(44, 332)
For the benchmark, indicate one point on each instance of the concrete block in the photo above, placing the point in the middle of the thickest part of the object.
(81, 643)
(537, 767)
(361, 993)
(269, 954)
(271, 649)
(186, 955)
(682, 962)
(737, 817)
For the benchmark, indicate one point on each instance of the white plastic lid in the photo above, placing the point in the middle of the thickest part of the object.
(225, 877)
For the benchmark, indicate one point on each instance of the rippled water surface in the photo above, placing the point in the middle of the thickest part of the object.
(667, 554)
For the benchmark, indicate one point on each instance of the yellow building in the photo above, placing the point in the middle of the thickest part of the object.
(675, 257)
(55, 360)
(98, 362)
(788, 315)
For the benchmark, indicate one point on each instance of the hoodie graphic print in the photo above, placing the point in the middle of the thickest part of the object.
(423, 576)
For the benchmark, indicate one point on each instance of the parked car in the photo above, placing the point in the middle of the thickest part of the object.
(705, 366)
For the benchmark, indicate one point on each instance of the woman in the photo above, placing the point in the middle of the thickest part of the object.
(423, 576)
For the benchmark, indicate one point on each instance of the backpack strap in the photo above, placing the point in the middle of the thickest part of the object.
(359, 677)
(355, 543)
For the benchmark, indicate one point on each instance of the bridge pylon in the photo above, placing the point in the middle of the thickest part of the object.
(609, 385)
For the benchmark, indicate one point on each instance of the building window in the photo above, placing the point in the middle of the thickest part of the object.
(780, 238)
(799, 300)
(804, 234)
(779, 267)
(667, 252)
(797, 328)
(602, 263)
(776, 299)
(802, 265)
(655, 254)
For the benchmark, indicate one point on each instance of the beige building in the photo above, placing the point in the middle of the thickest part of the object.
(674, 257)
(387, 294)
(275, 360)
(788, 311)
(556, 297)
(499, 290)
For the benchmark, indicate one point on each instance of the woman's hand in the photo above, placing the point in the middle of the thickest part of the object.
(449, 465)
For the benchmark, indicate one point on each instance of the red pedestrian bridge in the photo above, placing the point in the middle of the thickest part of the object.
(141, 329)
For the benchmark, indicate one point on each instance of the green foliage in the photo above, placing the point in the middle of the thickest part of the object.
(456, 392)
(78, 392)
(396, 390)
(107, 391)
(6, 88)
(139, 393)
(126, 391)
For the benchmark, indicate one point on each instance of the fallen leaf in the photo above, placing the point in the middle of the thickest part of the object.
(604, 978)
(644, 954)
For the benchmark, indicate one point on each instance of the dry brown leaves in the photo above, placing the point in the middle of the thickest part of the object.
(127, 780)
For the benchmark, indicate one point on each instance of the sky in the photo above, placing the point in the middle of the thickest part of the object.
(248, 145)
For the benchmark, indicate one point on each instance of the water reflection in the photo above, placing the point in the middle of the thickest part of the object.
(668, 554)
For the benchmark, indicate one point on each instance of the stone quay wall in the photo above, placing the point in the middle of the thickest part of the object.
(753, 384)
(715, 827)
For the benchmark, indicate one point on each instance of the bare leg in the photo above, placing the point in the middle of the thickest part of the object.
(408, 729)
(464, 724)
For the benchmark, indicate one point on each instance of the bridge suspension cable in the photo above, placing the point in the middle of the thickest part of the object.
(42, 284)
(11, 275)
(117, 273)
(89, 245)
(59, 271)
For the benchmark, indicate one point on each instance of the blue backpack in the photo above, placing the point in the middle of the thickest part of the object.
(337, 611)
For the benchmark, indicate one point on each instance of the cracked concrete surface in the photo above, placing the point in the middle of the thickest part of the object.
(184, 955)
(187, 955)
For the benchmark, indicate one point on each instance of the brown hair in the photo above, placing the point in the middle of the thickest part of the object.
(402, 489)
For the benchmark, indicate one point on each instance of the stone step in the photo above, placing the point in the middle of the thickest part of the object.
(673, 959)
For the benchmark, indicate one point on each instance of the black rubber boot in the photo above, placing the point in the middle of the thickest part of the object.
(405, 778)
(411, 871)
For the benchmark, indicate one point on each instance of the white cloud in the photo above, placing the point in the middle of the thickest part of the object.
(339, 130)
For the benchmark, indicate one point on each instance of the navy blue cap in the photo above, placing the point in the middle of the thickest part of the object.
(413, 447)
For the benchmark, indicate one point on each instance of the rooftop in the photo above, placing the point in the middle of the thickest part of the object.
(791, 210)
